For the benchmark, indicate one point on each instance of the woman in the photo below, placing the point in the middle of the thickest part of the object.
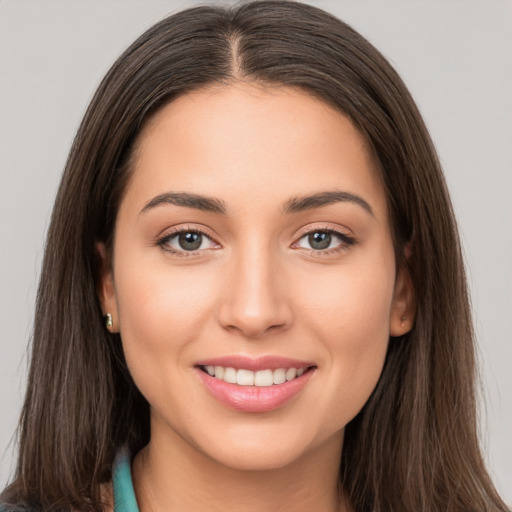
(253, 295)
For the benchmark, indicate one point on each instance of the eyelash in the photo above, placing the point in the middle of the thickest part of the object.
(164, 240)
(345, 239)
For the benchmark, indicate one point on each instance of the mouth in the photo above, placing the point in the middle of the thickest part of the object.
(254, 386)
(260, 378)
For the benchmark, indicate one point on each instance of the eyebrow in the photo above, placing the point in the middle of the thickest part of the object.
(187, 200)
(293, 205)
(299, 204)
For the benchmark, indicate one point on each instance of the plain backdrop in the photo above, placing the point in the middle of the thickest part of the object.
(456, 58)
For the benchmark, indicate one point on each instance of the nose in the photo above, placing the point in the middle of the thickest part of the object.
(256, 301)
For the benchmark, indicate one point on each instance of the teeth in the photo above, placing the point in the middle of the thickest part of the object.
(261, 378)
(279, 376)
(291, 373)
(245, 378)
(229, 375)
(264, 378)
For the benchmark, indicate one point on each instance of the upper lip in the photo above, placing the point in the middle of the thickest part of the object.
(269, 362)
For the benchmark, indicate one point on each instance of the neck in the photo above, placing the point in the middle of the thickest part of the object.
(171, 475)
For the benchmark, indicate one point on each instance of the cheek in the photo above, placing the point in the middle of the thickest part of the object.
(355, 298)
(351, 319)
(161, 312)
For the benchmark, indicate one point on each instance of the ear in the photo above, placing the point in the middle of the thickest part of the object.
(403, 307)
(105, 286)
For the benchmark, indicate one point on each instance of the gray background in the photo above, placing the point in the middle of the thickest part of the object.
(455, 56)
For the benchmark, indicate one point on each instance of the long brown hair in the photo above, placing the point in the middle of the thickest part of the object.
(414, 445)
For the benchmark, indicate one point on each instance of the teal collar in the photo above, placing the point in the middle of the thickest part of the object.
(124, 495)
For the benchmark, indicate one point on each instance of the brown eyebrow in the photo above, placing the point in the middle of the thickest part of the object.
(293, 205)
(299, 204)
(187, 200)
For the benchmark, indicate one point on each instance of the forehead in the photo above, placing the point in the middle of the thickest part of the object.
(262, 143)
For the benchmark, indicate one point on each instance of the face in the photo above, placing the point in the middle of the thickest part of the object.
(253, 275)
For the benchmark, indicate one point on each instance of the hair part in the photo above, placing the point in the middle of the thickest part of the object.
(414, 445)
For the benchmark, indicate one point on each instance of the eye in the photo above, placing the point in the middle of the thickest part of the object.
(186, 241)
(324, 240)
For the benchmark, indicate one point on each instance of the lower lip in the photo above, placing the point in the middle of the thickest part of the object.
(254, 398)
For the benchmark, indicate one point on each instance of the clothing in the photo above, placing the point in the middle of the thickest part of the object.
(124, 495)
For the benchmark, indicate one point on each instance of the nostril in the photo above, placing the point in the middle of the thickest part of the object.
(254, 324)
(257, 302)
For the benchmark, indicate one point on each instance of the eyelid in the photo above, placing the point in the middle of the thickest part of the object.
(173, 231)
(347, 239)
(312, 228)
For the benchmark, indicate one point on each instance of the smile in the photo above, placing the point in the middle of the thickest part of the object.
(261, 378)
(254, 385)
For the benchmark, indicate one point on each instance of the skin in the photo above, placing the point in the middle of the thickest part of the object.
(256, 287)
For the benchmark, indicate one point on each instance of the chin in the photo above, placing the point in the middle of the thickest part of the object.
(257, 458)
(264, 448)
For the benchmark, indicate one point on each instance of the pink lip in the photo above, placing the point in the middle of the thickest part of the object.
(255, 364)
(254, 398)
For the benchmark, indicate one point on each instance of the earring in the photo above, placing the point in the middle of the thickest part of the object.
(108, 321)
(402, 319)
